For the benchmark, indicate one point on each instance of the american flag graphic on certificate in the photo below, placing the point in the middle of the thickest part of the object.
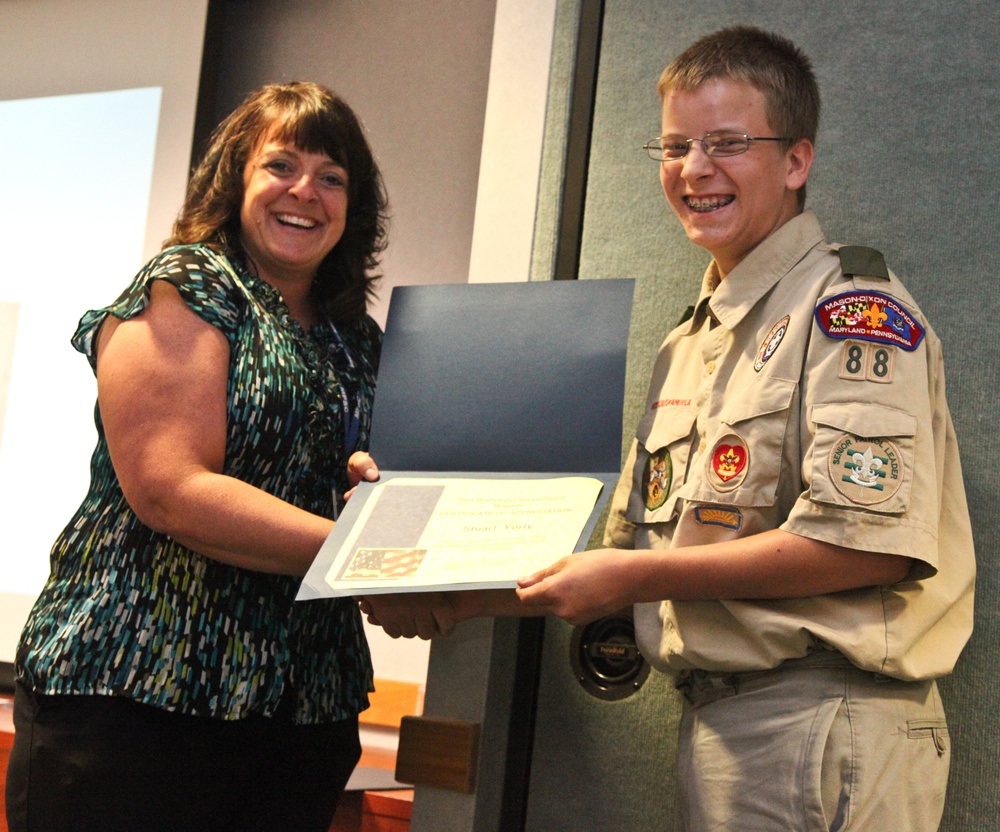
(384, 563)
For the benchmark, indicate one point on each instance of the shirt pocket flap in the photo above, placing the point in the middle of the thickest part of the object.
(776, 397)
(865, 420)
(754, 424)
(863, 456)
(664, 439)
(660, 428)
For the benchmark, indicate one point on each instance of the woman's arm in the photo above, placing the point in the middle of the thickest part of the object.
(161, 380)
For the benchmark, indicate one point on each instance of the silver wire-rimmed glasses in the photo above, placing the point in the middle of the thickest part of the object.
(668, 148)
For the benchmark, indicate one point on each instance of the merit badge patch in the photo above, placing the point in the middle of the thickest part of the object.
(869, 316)
(866, 471)
(770, 344)
(728, 463)
(656, 482)
(728, 518)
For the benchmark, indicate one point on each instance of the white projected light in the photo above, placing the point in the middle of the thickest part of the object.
(74, 195)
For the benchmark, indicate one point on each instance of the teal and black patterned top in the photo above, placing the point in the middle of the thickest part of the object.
(129, 612)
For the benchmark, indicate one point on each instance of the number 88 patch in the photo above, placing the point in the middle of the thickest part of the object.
(867, 361)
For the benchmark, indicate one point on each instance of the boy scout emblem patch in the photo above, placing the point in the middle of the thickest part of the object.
(656, 483)
(870, 316)
(770, 344)
(866, 470)
(727, 466)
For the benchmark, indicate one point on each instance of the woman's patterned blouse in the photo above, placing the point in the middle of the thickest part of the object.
(129, 612)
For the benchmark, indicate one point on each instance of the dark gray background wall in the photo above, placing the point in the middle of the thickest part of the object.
(911, 90)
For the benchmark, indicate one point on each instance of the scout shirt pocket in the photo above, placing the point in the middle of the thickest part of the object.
(742, 461)
(852, 467)
(664, 439)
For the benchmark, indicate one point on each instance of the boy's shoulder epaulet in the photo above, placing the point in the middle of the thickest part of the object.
(861, 261)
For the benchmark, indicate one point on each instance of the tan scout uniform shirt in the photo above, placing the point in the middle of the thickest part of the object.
(803, 399)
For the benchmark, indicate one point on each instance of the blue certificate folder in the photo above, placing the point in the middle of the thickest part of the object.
(499, 380)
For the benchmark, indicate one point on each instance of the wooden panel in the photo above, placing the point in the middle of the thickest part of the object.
(374, 811)
(438, 752)
(377, 757)
(390, 702)
(391, 804)
(386, 811)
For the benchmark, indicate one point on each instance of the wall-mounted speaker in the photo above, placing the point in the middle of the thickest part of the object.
(605, 659)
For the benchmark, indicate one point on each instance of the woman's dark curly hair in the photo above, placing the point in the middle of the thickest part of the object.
(316, 120)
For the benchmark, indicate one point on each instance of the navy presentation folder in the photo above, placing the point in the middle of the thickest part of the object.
(500, 380)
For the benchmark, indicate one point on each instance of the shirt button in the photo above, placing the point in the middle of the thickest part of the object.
(710, 367)
(701, 447)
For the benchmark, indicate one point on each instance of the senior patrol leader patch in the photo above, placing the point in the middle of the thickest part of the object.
(770, 344)
(869, 316)
(728, 463)
(657, 479)
(866, 470)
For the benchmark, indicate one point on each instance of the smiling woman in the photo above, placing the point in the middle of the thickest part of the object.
(294, 212)
(310, 120)
(235, 381)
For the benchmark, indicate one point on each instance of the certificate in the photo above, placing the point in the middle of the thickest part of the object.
(421, 534)
(497, 429)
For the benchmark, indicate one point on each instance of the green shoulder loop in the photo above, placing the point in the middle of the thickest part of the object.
(861, 261)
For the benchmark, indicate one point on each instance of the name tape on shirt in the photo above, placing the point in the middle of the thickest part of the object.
(869, 316)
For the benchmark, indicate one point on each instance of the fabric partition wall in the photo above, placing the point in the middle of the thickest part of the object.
(905, 163)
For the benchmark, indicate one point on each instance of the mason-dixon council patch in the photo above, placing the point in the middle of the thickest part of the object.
(869, 316)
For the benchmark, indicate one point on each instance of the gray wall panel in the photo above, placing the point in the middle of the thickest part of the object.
(599, 765)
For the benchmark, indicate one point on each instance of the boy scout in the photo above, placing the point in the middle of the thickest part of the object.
(794, 487)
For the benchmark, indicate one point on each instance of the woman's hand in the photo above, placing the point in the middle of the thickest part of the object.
(420, 614)
(360, 468)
